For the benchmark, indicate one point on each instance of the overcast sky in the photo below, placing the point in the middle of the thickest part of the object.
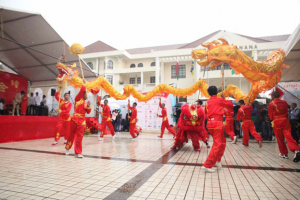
(127, 24)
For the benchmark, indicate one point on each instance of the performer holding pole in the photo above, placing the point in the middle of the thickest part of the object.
(63, 125)
(204, 132)
(228, 112)
(133, 120)
(214, 114)
(278, 111)
(244, 114)
(106, 120)
(165, 121)
(78, 123)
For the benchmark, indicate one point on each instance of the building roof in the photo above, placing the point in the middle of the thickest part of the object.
(155, 48)
(276, 38)
(196, 43)
(98, 47)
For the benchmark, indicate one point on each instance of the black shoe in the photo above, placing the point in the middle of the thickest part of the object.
(297, 157)
(137, 135)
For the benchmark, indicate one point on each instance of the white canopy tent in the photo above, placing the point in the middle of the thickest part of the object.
(292, 49)
(31, 47)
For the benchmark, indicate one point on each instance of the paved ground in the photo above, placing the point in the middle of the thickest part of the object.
(144, 168)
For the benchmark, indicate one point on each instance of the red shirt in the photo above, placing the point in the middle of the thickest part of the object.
(105, 112)
(65, 107)
(163, 113)
(80, 108)
(215, 107)
(278, 109)
(244, 113)
(228, 109)
(133, 114)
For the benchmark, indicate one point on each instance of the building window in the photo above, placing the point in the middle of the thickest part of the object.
(109, 78)
(152, 79)
(153, 64)
(140, 65)
(132, 66)
(131, 80)
(181, 72)
(104, 64)
(138, 80)
(110, 64)
(90, 65)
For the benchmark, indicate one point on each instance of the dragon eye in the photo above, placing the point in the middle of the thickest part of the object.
(184, 117)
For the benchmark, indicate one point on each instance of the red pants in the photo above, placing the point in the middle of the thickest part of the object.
(165, 124)
(285, 131)
(62, 128)
(132, 130)
(249, 126)
(219, 143)
(76, 131)
(183, 137)
(229, 128)
(109, 125)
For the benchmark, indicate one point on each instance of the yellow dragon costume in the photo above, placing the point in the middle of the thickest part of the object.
(260, 74)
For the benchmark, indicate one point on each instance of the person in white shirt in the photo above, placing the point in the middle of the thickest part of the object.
(31, 103)
(31, 100)
(37, 99)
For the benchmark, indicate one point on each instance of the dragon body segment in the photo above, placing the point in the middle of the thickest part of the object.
(262, 75)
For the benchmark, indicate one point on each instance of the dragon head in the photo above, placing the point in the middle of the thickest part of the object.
(211, 56)
(65, 71)
(189, 118)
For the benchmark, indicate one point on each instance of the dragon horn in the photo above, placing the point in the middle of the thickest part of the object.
(224, 41)
(215, 42)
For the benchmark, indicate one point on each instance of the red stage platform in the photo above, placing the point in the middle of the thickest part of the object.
(19, 128)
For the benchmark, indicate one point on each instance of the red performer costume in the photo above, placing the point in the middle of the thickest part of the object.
(24, 104)
(204, 137)
(78, 123)
(214, 114)
(165, 121)
(228, 112)
(189, 126)
(133, 119)
(63, 125)
(278, 111)
(106, 120)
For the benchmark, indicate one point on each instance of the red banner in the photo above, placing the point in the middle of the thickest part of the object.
(10, 85)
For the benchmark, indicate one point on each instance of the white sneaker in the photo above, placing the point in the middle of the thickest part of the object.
(67, 152)
(118, 133)
(218, 165)
(283, 156)
(100, 138)
(78, 156)
(54, 143)
(234, 140)
(113, 137)
(209, 170)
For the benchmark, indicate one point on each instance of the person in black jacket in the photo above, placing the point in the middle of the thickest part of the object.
(267, 132)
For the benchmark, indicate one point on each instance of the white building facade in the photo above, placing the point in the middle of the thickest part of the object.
(147, 67)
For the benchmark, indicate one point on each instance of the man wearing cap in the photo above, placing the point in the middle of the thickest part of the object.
(165, 121)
